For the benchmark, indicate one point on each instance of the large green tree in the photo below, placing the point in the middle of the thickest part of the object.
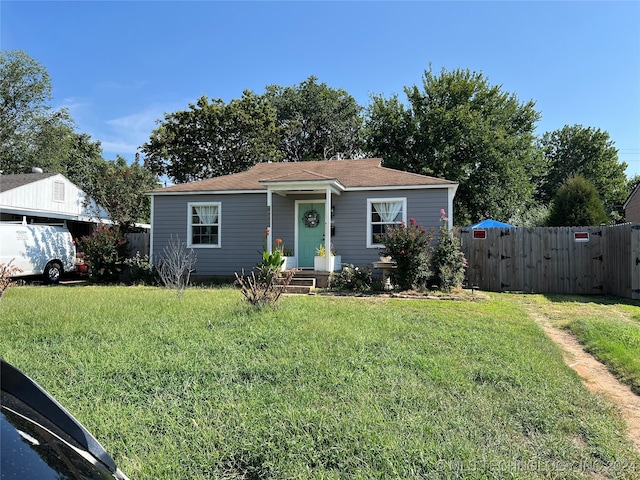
(213, 138)
(587, 152)
(316, 122)
(120, 188)
(32, 133)
(577, 204)
(82, 160)
(460, 127)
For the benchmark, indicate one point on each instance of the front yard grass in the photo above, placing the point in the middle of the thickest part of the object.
(608, 327)
(320, 387)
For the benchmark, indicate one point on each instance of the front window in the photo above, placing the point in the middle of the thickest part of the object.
(204, 224)
(383, 213)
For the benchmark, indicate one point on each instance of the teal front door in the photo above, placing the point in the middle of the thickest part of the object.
(310, 232)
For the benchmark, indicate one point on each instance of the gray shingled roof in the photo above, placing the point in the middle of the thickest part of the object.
(9, 182)
(361, 173)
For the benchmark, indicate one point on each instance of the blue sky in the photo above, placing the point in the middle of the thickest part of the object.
(118, 66)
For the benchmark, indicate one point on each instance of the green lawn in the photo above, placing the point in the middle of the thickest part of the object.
(321, 387)
(608, 327)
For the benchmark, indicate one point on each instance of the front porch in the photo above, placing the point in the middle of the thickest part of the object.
(304, 220)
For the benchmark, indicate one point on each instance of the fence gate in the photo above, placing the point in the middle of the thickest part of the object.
(569, 260)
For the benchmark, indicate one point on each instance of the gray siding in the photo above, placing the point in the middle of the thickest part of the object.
(245, 217)
(242, 224)
(350, 240)
(284, 209)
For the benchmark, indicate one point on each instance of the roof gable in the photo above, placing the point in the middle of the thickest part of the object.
(631, 196)
(353, 174)
(9, 182)
(47, 194)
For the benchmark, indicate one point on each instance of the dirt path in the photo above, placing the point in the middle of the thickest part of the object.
(595, 376)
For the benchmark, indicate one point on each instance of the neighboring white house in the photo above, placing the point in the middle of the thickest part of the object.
(49, 198)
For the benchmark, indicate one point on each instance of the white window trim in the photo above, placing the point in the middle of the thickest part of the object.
(190, 243)
(370, 202)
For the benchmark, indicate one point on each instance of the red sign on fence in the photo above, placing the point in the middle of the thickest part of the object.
(580, 236)
(481, 234)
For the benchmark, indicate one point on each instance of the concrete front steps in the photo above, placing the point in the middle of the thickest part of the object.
(306, 281)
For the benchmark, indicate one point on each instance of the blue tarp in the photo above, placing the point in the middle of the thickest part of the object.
(491, 224)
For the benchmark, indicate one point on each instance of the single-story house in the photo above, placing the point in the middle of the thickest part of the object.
(49, 198)
(632, 206)
(343, 205)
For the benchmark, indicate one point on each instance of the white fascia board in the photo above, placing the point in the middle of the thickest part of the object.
(316, 185)
(308, 186)
(204, 192)
(403, 187)
(34, 212)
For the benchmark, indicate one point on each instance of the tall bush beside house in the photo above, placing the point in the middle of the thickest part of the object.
(409, 246)
(105, 251)
(448, 261)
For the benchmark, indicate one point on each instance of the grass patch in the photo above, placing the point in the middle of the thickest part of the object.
(608, 327)
(320, 387)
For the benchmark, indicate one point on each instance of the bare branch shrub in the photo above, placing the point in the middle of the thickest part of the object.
(263, 289)
(176, 265)
(7, 271)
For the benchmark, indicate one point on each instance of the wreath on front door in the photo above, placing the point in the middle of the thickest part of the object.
(311, 218)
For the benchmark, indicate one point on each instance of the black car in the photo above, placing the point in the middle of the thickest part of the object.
(40, 440)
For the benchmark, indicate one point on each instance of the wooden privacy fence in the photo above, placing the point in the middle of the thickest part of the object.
(139, 243)
(570, 260)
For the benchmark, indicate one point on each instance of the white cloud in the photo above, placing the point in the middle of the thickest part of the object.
(145, 119)
(123, 135)
(118, 135)
(111, 149)
(76, 106)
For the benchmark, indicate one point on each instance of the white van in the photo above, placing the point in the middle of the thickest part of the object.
(38, 250)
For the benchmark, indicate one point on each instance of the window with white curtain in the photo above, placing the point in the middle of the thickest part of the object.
(381, 214)
(204, 224)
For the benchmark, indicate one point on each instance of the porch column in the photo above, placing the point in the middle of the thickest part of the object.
(327, 231)
(270, 214)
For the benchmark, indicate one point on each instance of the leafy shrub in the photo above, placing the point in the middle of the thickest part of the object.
(105, 251)
(409, 247)
(140, 270)
(576, 204)
(448, 261)
(353, 279)
(270, 266)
